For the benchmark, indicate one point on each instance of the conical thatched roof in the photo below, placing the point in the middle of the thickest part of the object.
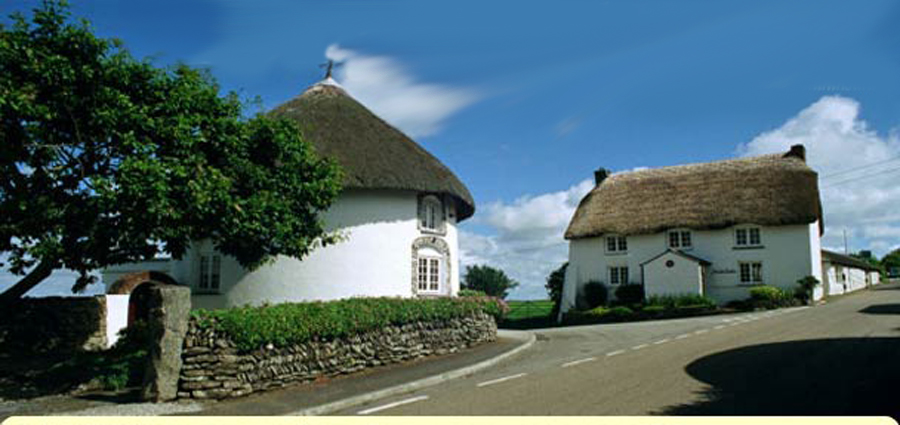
(765, 190)
(373, 154)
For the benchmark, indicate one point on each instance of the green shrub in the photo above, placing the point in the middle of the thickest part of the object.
(621, 312)
(770, 297)
(595, 294)
(471, 293)
(804, 290)
(291, 323)
(654, 310)
(630, 294)
(674, 301)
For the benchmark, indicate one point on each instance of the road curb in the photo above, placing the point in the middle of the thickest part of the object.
(526, 336)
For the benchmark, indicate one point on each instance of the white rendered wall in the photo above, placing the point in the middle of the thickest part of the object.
(375, 259)
(684, 277)
(116, 317)
(788, 253)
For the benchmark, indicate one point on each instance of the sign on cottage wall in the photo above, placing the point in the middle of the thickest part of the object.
(724, 271)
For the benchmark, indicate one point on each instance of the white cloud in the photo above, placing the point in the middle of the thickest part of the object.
(386, 87)
(528, 237)
(857, 184)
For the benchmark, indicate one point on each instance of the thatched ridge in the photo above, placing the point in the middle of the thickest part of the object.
(373, 154)
(776, 189)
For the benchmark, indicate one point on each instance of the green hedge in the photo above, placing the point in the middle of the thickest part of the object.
(471, 293)
(291, 323)
(674, 301)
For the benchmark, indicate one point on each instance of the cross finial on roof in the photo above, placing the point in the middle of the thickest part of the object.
(329, 67)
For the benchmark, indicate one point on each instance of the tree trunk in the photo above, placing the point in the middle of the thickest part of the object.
(32, 279)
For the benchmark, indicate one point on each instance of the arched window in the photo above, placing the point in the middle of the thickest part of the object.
(431, 214)
(431, 266)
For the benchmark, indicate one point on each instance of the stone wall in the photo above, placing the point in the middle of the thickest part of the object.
(214, 368)
(53, 324)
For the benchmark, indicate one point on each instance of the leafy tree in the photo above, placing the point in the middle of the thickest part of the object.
(554, 286)
(891, 261)
(489, 280)
(107, 160)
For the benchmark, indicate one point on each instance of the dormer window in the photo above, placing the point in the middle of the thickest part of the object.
(680, 239)
(616, 244)
(431, 214)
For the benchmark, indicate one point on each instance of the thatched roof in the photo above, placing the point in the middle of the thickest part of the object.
(846, 260)
(774, 189)
(373, 154)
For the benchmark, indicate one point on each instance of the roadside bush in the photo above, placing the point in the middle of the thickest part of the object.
(471, 293)
(770, 297)
(620, 313)
(290, 323)
(804, 290)
(630, 294)
(682, 300)
(595, 294)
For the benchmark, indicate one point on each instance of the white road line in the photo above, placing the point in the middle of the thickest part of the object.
(734, 323)
(499, 380)
(390, 405)
(719, 327)
(682, 336)
(701, 331)
(638, 347)
(577, 362)
(614, 353)
(662, 341)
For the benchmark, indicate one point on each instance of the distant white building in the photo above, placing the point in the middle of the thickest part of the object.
(716, 229)
(843, 273)
(398, 211)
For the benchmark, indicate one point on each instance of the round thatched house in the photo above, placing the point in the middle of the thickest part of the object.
(398, 213)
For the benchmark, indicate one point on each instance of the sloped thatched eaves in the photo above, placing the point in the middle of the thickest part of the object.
(373, 154)
(846, 260)
(766, 190)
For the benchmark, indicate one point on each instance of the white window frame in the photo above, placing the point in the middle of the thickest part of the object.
(754, 272)
(681, 235)
(617, 275)
(209, 279)
(747, 233)
(429, 274)
(431, 214)
(616, 244)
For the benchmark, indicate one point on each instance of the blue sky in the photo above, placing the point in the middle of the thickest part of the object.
(523, 100)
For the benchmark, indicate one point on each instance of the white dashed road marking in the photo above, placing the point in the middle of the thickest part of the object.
(638, 347)
(701, 331)
(682, 336)
(577, 362)
(614, 353)
(719, 327)
(662, 341)
(390, 405)
(499, 380)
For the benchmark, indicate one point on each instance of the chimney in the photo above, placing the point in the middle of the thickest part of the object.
(600, 175)
(797, 151)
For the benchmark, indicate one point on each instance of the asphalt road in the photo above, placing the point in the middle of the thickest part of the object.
(842, 358)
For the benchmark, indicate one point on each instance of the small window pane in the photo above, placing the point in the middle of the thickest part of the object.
(757, 272)
(673, 240)
(434, 275)
(685, 239)
(204, 272)
(740, 236)
(216, 272)
(623, 271)
(611, 243)
(754, 236)
(423, 274)
(623, 244)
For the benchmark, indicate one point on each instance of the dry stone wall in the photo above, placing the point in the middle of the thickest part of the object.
(213, 368)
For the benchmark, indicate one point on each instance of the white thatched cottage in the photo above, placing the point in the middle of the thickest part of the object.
(715, 229)
(843, 273)
(399, 211)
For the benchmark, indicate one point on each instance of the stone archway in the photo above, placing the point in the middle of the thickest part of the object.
(130, 284)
